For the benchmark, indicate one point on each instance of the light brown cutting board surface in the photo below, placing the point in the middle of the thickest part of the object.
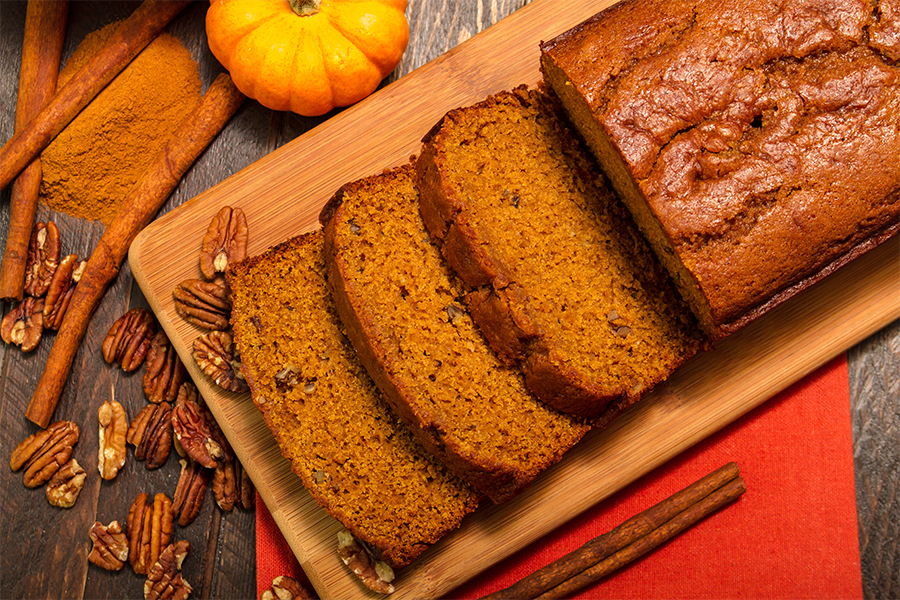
(281, 196)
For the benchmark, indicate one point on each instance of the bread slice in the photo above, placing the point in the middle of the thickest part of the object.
(560, 280)
(406, 317)
(358, 461)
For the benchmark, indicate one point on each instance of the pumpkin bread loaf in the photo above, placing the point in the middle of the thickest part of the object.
(405, 314)
(344, 442)
(756, 143)
(562, 284)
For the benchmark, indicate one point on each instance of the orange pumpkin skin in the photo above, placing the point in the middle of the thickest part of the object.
(307, 64)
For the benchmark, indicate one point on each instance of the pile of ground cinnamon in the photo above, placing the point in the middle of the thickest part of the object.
(93, 163)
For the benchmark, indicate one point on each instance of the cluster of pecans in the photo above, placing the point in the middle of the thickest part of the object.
(206, 302)
(175, 416)
(46, 457)
(49, 284)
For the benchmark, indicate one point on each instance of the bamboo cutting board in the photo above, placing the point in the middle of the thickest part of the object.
(282, 194)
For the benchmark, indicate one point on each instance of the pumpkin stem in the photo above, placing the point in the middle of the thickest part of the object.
(305, 8)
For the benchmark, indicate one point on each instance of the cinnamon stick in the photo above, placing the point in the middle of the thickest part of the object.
(132, 36)
(45, 31)
(144, 200)
(630, 540)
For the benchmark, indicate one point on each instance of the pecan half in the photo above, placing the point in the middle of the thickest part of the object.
(24, 325)
(375, 575)
(164, 372)
(198, 434)
(113, 430)
(214, 354)
(44, 452)
(286, 588)
(164, 579)
(206, 304)
(110, 550)
(149, 530)
(60, 291)
(66, 484)
(225, 241)
(151, 434)
(232, 486)
(43, 258)
(190, 492)
(128, 340)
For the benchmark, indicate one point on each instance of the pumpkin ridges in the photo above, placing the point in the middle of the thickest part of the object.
(357, 77)
(384, 53)
(302, 103)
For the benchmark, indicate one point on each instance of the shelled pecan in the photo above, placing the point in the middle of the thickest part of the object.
(164, 372)
(196, 434)
(24, 325)
(44, 452)
(214, 353)
(43, 258)
(206, 304)
(110, 550)
(225, 241)
(286, 588)
(60, 290)
(190, 491)
(112, 433)
(164, 579)
(232, 486)
(65, 485)
(151, 434)
(374, 574)
(149, 530)
(128, 340)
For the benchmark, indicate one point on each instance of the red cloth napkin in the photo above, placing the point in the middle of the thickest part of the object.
(793, 534)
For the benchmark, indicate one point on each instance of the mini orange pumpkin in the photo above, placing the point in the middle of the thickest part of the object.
(307, 56)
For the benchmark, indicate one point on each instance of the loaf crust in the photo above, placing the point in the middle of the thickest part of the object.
(561, 283)
(359, 462)
(404, 314)
(757, 144)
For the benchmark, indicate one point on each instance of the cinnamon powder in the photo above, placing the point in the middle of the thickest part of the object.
(93, 163)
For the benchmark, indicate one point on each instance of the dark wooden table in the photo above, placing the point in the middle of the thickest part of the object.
(44, 549)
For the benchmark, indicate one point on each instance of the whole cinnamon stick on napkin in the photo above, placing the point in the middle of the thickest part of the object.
(132, 36)
(45, 31)
(630, 540)
(215, 108)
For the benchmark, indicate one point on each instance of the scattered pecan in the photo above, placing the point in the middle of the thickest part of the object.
(375, 575)
(206, 304)
(190, 492)
(113, 430)
(164, 372)
(187, 391)
(44, 452)
(197, 433)
(151, 434)
(24, 325)
(43, 258)
(60, 291)
(149, 530)
(110, 549)
(164, 579)
(128, 340)
(225, 241)
(232, 486)
(285, 588)
(66, 484)
(214, 354)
